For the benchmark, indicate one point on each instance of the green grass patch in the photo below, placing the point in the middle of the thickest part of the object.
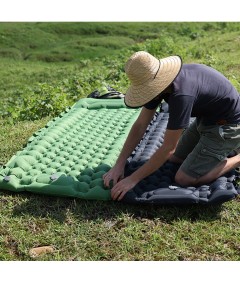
(91, 230)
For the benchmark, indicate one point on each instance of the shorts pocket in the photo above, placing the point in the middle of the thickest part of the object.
(213, 154)
(202, 160)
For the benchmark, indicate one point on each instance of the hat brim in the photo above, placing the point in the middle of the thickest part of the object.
(138, 95)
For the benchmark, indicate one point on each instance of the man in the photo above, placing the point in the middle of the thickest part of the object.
(191, 90)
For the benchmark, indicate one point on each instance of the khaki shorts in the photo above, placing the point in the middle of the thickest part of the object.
(203, 147)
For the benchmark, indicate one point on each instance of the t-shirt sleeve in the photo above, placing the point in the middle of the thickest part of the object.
(152, 104)
(180, 108)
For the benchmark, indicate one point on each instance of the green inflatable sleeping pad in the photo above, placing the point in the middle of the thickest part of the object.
(69, 156)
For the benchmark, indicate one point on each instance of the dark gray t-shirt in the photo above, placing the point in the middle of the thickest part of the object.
(203, 92)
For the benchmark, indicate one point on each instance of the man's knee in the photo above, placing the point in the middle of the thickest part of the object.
(183, 179)
(175, 159)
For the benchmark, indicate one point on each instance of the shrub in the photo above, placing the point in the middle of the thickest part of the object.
(12, 53)
(43, 100)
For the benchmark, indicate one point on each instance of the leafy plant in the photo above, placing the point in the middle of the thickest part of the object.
(60, 85)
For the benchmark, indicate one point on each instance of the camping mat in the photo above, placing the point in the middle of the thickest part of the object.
(71, 153)
(69, 156)
(160, 187)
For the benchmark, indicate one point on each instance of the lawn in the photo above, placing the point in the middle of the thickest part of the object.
(42, 60)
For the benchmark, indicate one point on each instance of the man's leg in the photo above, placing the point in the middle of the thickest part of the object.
(175, 159)
(223, 167)
(208, 160)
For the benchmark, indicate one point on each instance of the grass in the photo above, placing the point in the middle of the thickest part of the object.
(92, 230)
(48, 52)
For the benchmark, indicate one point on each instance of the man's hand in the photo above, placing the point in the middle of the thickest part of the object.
(115, 174)
(122, 187)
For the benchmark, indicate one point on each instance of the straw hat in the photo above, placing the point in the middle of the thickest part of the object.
(149, 77)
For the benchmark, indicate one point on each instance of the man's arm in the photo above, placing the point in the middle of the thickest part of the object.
(134, 137)
(160, 156)
(157, 160)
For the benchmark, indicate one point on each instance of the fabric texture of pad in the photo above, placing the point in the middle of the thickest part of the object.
(69, 156)
(160, 188)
